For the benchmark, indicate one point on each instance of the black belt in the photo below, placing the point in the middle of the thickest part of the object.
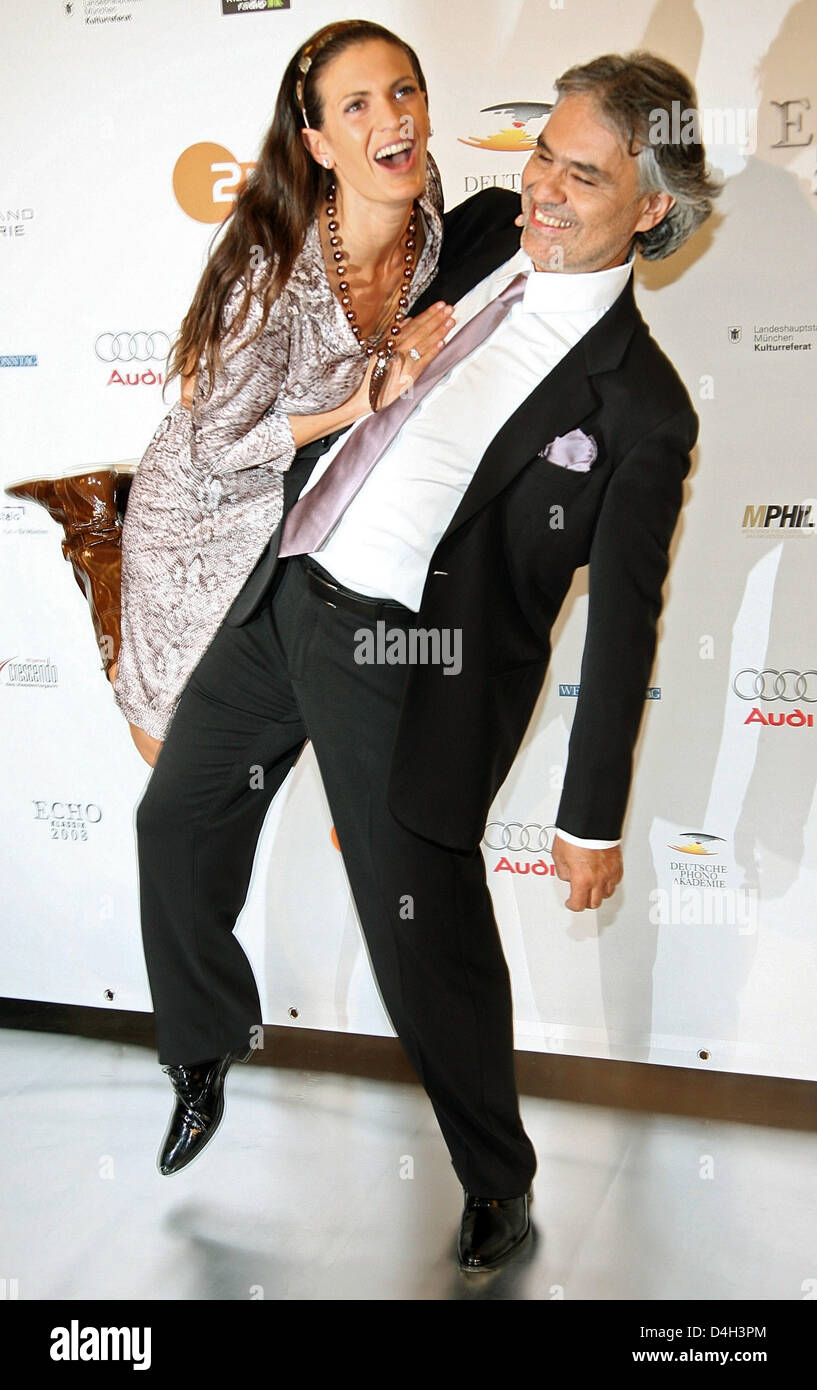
(333, 593)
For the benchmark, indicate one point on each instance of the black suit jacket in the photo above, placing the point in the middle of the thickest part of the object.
(506, 561)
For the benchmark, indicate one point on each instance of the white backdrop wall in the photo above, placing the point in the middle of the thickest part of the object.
(706, 956)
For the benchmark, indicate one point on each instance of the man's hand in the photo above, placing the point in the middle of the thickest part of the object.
(592, 873)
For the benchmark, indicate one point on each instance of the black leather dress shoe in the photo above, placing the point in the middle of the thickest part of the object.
(198, 1109)
(492, 1231)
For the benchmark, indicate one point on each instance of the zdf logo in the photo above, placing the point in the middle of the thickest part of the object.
(206, 181)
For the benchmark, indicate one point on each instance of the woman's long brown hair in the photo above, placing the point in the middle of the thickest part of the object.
(274, 207)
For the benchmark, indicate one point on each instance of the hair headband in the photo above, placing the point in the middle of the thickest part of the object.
(305, 62)
(311, 52)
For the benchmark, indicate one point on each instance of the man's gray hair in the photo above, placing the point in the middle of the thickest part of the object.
(635, 95)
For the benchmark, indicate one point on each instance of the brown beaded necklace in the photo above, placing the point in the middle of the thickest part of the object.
(368, 345)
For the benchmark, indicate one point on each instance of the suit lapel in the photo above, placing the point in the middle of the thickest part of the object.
(463, 267)
(558, 404)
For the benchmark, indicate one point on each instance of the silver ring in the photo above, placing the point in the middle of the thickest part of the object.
(414, 354)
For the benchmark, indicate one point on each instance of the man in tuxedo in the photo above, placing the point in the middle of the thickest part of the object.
(560, 438)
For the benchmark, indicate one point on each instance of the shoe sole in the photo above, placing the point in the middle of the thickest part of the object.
(180, 1167)
(121, 466)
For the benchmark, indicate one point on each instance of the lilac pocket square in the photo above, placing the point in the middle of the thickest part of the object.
(576, 451)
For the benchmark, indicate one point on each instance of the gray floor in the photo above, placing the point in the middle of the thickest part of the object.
(330, 1187)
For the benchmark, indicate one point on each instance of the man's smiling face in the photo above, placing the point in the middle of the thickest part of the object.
(581, 204)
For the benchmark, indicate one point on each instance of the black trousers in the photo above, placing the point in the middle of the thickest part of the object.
(258, 694)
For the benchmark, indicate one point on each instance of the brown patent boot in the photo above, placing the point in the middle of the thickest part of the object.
(90, 508)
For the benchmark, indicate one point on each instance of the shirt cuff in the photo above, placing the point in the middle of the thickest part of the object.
(587, 844)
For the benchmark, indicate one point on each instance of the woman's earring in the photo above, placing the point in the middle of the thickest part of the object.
(430, 131)
(325, 162)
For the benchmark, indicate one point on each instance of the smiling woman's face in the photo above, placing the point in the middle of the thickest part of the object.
(375, 123)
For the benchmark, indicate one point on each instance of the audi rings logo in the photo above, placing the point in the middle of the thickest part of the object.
(515, 836)
(789, 686)
(132, 347)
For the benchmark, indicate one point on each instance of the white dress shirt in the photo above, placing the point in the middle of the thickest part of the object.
(382, 544)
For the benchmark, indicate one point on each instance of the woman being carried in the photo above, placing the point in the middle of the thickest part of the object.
(297, 329)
